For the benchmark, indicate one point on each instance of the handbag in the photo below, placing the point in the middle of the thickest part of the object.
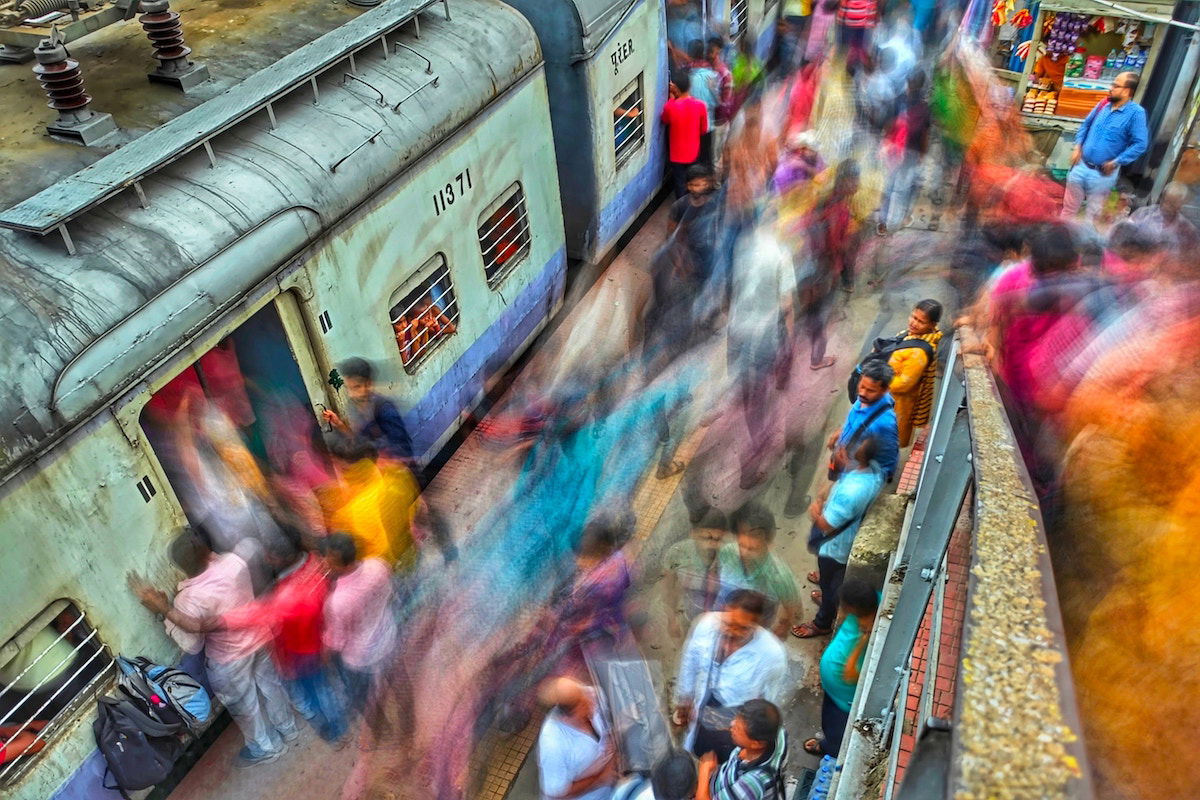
(818, 537)
(714, 719)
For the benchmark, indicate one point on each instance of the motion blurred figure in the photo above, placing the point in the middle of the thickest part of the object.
(749, 563)
(576, 756)
(693, 572)
(374, 502)
(372, 416)
(360, 626)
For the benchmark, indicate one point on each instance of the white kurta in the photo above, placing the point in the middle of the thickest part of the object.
(758, 669)
(566, 754)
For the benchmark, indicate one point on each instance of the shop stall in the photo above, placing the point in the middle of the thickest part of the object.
(1060, 57)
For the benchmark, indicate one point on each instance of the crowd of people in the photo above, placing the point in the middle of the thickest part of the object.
(314, 589)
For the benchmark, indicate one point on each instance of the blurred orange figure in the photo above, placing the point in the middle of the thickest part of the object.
(374, 502)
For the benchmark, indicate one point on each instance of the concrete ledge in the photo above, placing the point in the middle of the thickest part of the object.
(877, 539)
(1016, 725)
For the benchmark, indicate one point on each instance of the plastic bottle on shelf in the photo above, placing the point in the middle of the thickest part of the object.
(1075, 64)
(1110, 65)
(1141, 60)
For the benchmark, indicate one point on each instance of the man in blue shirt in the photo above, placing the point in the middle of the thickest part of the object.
(1113, 135)
(872, 415)
(836, 522)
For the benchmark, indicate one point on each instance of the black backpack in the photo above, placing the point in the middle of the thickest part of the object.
(882, 351)
(139, 751)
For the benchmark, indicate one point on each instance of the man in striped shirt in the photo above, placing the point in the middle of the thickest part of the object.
(755, 769)
(857, 18)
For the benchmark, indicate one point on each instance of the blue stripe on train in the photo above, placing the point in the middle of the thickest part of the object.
(459, 387)
(631, 198)
(766, 38)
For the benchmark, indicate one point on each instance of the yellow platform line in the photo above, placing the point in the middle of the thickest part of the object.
(502, 755)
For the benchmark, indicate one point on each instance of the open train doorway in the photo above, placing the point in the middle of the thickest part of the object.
(238, 441)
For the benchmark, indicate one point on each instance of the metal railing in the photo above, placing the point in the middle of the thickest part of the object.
(1011, 728)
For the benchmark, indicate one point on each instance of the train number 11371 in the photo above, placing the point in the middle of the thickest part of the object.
(444, 197)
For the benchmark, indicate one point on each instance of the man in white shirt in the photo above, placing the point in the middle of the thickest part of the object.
(576, 756)
(729, 658)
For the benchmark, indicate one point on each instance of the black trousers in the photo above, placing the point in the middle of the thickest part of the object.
(833, 726)
(679, 178)
(831, 573)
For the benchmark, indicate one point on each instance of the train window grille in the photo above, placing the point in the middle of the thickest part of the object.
(48, 673)
(629, 121)
(424, 313)
(739, 17)
(504, 234)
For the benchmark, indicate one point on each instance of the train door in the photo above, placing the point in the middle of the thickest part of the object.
(236, 430)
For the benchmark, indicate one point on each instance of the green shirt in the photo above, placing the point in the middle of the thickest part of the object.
(833, 663)
(770, 577)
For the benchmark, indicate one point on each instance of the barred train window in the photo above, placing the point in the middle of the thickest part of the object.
(629, 124)
(50, 669)
(504, 234)
(739, 17)
(424, 312)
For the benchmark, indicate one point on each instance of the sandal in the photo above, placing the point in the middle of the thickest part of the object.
(807, 630)
(814, 577)
(813, 747)
(668, 470)
(828, 361)
(815, 594)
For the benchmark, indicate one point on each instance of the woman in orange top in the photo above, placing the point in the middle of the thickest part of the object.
(912, 386)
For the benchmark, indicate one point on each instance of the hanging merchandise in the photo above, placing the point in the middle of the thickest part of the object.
(1061, 34)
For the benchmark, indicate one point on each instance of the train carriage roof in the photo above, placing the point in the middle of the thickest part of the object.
(79, 328)
(599, 17)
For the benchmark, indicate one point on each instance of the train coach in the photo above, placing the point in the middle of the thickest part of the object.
(393, 167)
(606, 69)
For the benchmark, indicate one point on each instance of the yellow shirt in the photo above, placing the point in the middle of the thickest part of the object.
(378, 512)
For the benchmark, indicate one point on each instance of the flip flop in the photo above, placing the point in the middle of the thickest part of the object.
(815, 594)
(814, 577)
(828, 361)
(813, 747)
(806, 630)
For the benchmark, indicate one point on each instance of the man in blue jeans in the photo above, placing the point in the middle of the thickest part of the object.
(1113, 135)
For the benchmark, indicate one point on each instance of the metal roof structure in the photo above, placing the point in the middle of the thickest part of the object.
(229, 193)
(91, 186)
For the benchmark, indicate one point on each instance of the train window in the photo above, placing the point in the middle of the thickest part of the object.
(629, 124)
(424, 312)
(739, 17)
(504, 234)
(48, 671)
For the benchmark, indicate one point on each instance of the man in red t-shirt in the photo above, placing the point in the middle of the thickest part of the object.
(291, 613)
(686, 119)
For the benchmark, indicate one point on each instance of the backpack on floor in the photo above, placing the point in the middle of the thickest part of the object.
(882, 351)
(173, 695)
(138, 750)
